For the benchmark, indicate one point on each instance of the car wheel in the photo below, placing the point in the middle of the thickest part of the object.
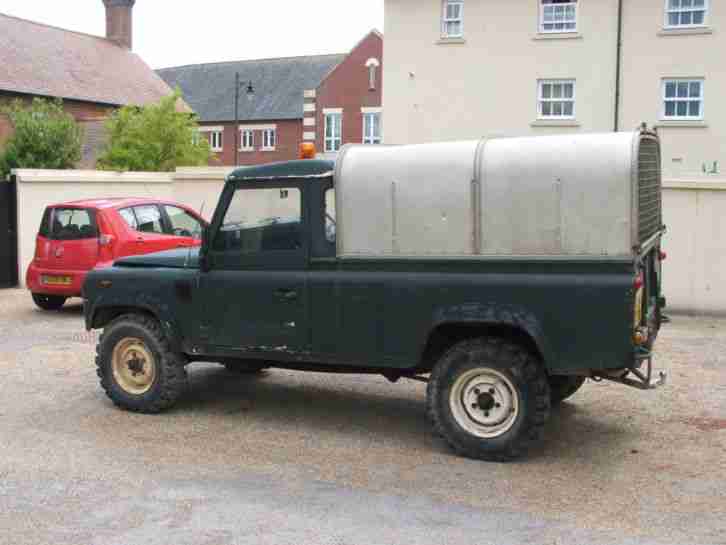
(489, 399)
(136, 366)
(49, 302)
(562, 387)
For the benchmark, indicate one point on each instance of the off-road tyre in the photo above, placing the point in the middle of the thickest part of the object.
(520, 373)
(49, 302)
(250, 367)
(562, 387)
(170, 378)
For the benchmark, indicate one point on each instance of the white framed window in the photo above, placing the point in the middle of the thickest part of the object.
(246, 140)
(556, 99)
(558, 16)
(333, 131)
(371, 127)
(686, 13)
(452, 19)
(216, 140)
(269, 139)
(682, 99)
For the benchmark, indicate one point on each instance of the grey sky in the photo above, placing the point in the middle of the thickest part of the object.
(175, 32)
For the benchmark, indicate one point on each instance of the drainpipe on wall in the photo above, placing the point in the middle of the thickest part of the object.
(618, 67)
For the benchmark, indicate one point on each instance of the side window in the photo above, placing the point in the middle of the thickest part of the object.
(183, 224)
(73, 224)
(261, 220)
(330, 219)
(129, 217)
(148, 218)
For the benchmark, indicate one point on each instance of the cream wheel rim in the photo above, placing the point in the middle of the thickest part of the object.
(484, 402)
(134, 367)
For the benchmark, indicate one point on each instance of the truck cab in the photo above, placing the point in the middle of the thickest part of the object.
(491, 270)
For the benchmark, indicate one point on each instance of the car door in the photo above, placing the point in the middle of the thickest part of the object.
(253, 298)
(147, 230)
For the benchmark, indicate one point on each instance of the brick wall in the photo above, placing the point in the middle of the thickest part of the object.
(89, 115)
(289, 136)
(348, 87)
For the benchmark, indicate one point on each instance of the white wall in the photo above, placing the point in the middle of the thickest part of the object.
(485, 84)
(198, 188)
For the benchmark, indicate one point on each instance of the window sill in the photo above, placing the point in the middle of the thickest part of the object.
(267, 149)
(555, 123)
(685, 123)
(246, 150)
(215, 150)
(675, 31)
(450, 41)
(557, 36)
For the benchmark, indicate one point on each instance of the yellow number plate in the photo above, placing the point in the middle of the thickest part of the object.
(57, 280)
(638, 307)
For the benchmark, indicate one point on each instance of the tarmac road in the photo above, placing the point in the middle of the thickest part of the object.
(307, 458)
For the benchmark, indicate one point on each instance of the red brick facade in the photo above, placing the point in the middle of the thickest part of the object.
(348, 87)
(288, 138)
(89, 115)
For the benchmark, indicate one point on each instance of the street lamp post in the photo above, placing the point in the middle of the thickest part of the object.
(250, 91)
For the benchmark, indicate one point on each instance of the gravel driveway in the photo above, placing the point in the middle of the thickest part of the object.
(307, 458)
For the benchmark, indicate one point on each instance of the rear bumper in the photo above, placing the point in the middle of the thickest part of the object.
(34, 281)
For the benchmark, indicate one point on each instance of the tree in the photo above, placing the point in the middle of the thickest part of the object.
(154, 138)
(44, 136)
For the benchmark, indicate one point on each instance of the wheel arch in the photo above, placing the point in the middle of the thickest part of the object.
(463, 322)
(103, 315)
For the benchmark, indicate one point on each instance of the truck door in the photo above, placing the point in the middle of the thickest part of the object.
(254, 297)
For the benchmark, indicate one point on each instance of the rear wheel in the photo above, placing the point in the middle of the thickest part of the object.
(137, 368)
(48, 302)
(489, 399)
(562, 387)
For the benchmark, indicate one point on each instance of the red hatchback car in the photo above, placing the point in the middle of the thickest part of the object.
(75, 237)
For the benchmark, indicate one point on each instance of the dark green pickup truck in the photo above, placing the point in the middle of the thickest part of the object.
(502, 272)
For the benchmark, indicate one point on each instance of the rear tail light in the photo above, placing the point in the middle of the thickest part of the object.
(662, 255)
(41, 248)
(106, 248)
(638, 282)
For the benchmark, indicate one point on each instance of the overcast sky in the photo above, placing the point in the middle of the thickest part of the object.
(176, 32)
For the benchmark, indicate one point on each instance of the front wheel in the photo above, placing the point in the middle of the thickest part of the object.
(489, 399)
(48, 302)
(137, 368)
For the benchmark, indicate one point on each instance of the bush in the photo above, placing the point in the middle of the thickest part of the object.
(154, 138)
(45, 136)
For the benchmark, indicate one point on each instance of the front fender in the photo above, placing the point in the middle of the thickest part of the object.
(104, 309)
(496, 314)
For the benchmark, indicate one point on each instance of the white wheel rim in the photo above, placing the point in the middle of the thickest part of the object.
(484, 402)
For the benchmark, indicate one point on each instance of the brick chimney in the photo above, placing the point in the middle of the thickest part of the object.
(119, 21)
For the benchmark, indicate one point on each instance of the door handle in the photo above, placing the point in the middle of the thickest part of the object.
(286, 294)
(140, 240)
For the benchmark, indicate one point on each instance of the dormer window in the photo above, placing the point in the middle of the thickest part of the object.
(372, 65)
(452, 22)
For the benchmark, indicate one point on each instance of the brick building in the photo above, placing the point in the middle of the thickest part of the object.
(93, 75)
(346, 106)
(294, 100)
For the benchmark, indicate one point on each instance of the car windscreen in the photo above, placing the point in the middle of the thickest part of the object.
(69, 224)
